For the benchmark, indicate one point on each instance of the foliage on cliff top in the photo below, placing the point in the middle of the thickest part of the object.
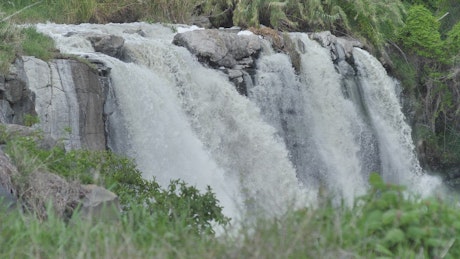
(22, 41)
(421, 33)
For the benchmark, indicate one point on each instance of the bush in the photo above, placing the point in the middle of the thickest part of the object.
(421, 33)
(179, 202)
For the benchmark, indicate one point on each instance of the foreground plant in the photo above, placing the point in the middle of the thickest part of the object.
(177, 203)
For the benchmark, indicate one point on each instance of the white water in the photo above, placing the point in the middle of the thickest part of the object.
(397, 152)
(321, 127)
(178, 119)
(297, 135)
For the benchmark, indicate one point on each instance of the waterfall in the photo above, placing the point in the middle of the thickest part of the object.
(323, 127)
(397, 152)
(178, 119)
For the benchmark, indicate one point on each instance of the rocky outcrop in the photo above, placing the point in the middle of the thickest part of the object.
(67, 96)
(16, 100)
(108, 44)
(35, 190)
(227, 50)
(341, 48)
(99, 203)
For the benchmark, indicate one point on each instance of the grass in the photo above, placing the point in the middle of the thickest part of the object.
(101, 11)
(176, 222)
(172, 222)
(8, 46)
(22, 41)
(131, 236)
(383, 224)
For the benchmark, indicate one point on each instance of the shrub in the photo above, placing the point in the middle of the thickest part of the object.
(421, 33)
(179, 202)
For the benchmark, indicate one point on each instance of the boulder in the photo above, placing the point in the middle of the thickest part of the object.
(108, 44)
(99, 203)
(235, 54)
(40, 188)
(341, 48)
(220, 48)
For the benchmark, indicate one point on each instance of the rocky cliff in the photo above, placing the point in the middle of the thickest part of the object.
(67, 97)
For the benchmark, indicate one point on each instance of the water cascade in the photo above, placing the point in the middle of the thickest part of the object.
(295, 133)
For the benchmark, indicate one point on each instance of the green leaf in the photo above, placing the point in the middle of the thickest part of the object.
(383, 250)
(394, 236)
(376, 181)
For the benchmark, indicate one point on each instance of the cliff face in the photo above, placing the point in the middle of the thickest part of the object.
(67, 97)
(72, 99)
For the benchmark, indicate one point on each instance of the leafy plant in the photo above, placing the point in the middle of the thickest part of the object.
(30, 120)
(177, 203)
(421, 33)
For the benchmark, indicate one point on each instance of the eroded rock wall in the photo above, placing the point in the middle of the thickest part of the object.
(66, 95)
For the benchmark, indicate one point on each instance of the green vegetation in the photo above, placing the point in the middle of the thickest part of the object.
(8, 46)
(26, 41)
(176, 221)
(384, 223)
(37, 44)
(179, 202)
(421, 33)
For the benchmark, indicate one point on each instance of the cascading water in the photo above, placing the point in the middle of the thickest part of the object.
(322, 128)
(178, 119)
(397, 152)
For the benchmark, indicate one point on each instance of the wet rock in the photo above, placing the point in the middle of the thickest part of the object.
(108, 44)
(224, 49)
(341, 48)
(219, 47)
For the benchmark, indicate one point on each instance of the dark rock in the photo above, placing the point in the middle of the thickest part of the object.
(135, 31)
(6, 112)
(91, 98)
(16, 100)
(201, 21)
(7, 200)
(108, 44)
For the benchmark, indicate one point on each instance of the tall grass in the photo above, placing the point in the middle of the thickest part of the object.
(9, 45)
(80, 11)
(383, 224)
